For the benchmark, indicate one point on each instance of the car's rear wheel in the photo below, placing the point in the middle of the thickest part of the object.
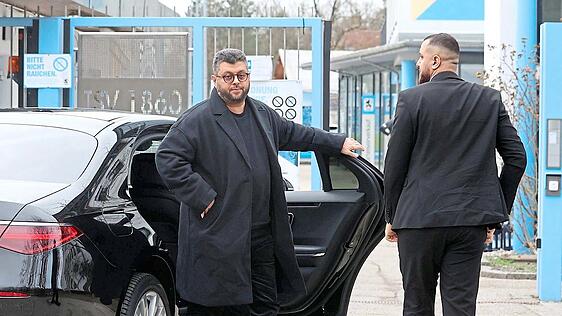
(145, 296)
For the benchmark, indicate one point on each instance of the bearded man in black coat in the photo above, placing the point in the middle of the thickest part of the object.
(235, 248)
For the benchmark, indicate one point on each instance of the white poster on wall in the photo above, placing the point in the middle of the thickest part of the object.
(260, 67)
(286, 98)
(47, 70)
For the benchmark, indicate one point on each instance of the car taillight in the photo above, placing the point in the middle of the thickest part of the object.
(33, 238)
(4, 294)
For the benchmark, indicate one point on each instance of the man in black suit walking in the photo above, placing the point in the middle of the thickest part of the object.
(443, 196)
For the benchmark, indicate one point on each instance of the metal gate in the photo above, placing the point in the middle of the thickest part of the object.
(137, 72)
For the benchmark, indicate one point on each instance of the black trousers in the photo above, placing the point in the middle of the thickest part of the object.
(452, 254)
(264, 286)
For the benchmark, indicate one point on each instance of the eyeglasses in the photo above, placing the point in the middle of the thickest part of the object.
(230, 78)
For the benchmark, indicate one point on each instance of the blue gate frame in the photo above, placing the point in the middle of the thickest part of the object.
(198, 25)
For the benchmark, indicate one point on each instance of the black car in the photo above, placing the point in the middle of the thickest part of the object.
(87, 226)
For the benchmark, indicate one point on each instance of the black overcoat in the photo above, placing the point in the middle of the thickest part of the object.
(202, 158)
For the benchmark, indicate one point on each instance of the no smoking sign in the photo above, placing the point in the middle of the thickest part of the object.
(286, 98)
(285, 107)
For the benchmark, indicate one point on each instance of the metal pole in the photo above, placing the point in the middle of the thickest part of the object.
(284, 52)
(270, 39)
(257, 48)
(327, 25)
(11, 54)
(242, 15)
(205, 65)
(199, 59)
(298, 55)
(228, 41)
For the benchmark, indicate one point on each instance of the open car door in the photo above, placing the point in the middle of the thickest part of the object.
(334, 231)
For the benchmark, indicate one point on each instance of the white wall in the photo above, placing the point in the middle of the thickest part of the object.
(5, 83)
(402, 25)
(499, 22)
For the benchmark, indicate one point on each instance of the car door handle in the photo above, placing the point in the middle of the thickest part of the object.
(309, 251)
(291, 218)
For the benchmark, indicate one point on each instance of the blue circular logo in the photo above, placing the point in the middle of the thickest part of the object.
(60, 64)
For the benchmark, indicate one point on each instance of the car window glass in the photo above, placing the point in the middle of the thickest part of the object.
(342, 178)
(43, 154)
(148, 146)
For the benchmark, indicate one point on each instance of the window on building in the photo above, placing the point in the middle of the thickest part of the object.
(468, 72)
(550, 11)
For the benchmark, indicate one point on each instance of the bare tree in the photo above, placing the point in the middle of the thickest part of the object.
(347, 16)
(518, 83)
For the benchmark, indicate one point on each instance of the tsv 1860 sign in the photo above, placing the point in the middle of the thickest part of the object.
(47, 71)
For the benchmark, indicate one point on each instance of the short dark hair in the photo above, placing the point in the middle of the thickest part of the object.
(229, 55)
(444, 40)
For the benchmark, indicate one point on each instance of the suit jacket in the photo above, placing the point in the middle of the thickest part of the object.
(440, 167)
(204, 157)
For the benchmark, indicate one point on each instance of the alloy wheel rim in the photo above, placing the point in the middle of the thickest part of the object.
(150, 304)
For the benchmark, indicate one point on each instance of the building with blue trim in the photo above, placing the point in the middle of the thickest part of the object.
(374, 76)
(371, 78)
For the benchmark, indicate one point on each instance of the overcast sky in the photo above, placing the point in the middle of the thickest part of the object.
(181, 5)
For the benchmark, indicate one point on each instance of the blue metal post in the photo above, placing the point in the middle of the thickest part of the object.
(199, 60)
(407, 74)
(7, 22)
(72, 92)
(50, 42)
(525, 42)
(317, 95)
(549, 276)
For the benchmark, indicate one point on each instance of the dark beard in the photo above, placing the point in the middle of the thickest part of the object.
(424, 77)
(227, 98)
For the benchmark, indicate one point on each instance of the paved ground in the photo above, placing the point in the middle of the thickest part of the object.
(378, 291)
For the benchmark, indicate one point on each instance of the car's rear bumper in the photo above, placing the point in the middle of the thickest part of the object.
(73, 279)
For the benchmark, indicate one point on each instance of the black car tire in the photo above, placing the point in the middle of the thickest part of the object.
(141, 284)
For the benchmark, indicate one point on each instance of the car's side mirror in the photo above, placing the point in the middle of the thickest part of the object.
(288, 186)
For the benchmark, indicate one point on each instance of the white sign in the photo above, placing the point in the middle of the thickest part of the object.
(368, 126)
(285, 97)
(553, 185)
(368, 133)
(47, 70)
(260, 67)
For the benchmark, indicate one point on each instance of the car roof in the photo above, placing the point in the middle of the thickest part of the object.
(90, 121)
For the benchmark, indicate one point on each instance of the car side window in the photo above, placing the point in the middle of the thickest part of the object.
(142, 165)
(342, 178)
(149, 146)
